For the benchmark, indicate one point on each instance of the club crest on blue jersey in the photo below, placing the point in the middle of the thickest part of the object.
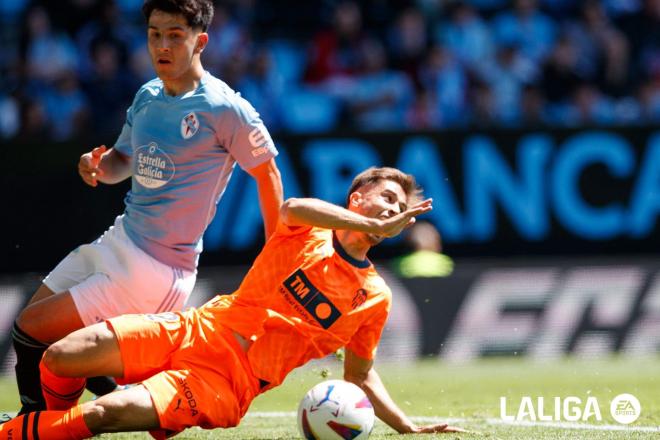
(189, 125)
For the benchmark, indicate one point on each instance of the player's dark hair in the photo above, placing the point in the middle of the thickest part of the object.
(374, 175)
(198, 13)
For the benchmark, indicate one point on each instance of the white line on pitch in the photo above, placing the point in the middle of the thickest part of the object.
(492, 421)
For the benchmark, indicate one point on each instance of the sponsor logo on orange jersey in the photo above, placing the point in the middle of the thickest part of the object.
(312, 299)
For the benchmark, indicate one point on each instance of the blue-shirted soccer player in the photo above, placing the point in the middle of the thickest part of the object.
(183, 135)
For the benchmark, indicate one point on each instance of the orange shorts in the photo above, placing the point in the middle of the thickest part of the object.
(196, 372)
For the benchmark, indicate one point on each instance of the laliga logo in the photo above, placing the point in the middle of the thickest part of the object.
(625, 409)
(569, 409)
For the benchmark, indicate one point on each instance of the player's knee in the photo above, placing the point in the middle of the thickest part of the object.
(26, 321)
(55, 359)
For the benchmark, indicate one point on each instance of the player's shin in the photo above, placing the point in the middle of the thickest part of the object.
(51, 425)
(60, 393)
(28, 355)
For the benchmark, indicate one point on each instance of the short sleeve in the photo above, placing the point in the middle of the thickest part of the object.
(285, 230)
(365, 341)
(244, 135)
(123, 144)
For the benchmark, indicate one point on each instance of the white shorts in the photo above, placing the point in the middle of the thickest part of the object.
(112, 277)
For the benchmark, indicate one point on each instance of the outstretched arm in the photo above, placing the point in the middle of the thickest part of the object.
(361, 372)
(269, 186)
(316, 212)
(102, 165)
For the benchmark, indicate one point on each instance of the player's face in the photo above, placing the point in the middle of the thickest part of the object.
(383, 199)
(172, 44)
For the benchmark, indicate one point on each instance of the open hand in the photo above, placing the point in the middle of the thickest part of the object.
(439, 428)
(393, 226)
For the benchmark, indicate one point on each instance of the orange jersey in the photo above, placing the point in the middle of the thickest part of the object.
(303, 298)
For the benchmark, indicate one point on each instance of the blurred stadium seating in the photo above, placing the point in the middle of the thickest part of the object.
(472, 63)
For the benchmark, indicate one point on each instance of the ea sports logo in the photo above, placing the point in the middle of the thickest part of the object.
(625, 408)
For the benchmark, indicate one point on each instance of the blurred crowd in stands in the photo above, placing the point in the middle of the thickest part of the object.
(71, 67)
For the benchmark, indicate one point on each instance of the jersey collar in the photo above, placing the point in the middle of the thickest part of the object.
(360, 264)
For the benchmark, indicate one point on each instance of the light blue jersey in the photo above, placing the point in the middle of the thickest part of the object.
(183, 150)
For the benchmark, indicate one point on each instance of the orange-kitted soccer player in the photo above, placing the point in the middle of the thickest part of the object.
(311, 291)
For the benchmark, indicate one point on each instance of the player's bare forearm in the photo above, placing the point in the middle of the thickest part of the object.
(388, 411)
(384, 406)
(315, 212)
(116, 167)
(101, 165)
(361, 372)
(271, 193)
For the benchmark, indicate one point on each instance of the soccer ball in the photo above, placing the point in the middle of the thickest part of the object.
(335, 410)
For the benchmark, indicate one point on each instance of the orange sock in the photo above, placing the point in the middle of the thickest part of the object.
(60, 392)
(47, 425)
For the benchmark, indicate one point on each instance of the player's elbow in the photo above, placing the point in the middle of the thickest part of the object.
(357, 379)
(289, 210)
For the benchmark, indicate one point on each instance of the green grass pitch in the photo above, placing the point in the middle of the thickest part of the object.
(468, 395)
